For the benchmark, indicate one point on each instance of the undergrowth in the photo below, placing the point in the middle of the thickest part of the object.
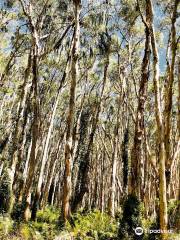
(92, 225)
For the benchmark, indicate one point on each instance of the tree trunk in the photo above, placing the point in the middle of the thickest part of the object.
(102, 181)
(45, 151)
(68, 145)
(125, 159)
(114, 166)
(35, 132)
(160, 129)
(83, 173)
(20, 114)
(169, 95)
(136, 155)
(51, 171)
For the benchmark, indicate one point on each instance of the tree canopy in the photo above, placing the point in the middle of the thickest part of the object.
(90, 116)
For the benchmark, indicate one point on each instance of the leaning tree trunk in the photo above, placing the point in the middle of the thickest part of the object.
(125, 159)
(43, 162)
(51, 171)
(83, 173)
(169, 96)
(136, 155)
(178, 120)
(35, 130)
(111, 203)
(70, 117)
(160, 129)
(45, 151)
(102, 192)
(18, 131)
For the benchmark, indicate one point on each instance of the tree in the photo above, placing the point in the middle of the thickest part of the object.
(70, 116)
(160, 128)
(137, 157)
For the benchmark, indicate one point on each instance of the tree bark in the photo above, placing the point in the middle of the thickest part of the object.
(66, 211)
(35, 132)
(45, 151)
(83, 173)
(114, 167)
(136, 155)
(20, 114)
(169, 95)
(160, 128)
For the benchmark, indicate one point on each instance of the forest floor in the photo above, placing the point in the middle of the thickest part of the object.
(89, 226)
(93, 225)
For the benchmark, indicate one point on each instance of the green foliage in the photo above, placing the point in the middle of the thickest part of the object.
(18, 210)
(25, 232)
(5, 193)
(48, 215)
(173, 224)
(46, 224)
(174, 214)
(131, 218)
(154, 225)
(45, 230)
(94, 225)
(6, 225)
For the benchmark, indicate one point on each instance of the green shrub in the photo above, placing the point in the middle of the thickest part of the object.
(5, 193)
(48, 215)
(25, 232)
(45, 230)
(154, 225)
(46, 224)
(174, 214)
(94, 225)
(6, 225)
(18, 211)
(131, 219)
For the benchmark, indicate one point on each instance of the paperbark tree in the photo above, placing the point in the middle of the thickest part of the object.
(160, 127)
(70, 117)
(169, 94)
(20, 115)
(136, 155)
(45, 151)
(35, 105)
(84, 167)
(112, 192)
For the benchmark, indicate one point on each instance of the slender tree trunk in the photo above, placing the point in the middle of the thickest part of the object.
(136, 155)
(114, 166)
(18, 132)
(45, 151)
(18, 177)
(169, 95)
(20, 114)
(35, 131)
(102, 181)
(69, 134)
(160, 129)
(95, 181)
(125, 159)
(51, 171)
(83, 173)
(178, 121)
